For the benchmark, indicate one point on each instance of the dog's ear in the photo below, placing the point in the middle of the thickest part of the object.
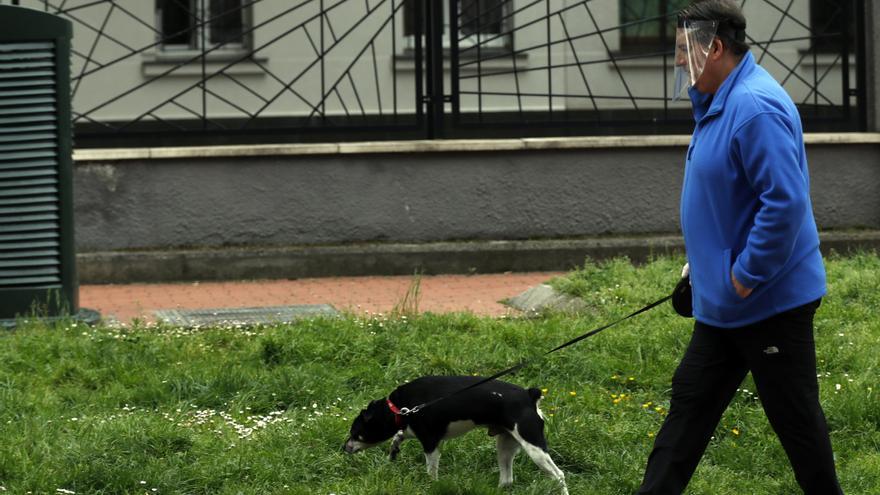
(372, 409)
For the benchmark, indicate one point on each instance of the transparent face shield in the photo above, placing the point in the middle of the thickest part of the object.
(693, 40)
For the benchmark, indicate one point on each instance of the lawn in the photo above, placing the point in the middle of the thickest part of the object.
(265, 410)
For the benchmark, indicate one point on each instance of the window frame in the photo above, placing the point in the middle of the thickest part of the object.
(200, 14)
(830, 45)
(666, 9)
(502, 41)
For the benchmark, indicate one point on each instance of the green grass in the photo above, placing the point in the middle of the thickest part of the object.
(266, 410)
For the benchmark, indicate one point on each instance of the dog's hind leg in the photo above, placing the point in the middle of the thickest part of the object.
(507, 448)
(433, 461)
(532, 441)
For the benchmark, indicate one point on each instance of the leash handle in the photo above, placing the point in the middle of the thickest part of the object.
(409, 411)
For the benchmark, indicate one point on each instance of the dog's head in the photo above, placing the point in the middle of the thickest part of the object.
(372, 426)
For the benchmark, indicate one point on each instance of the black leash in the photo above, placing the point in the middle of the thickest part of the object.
(406, 411)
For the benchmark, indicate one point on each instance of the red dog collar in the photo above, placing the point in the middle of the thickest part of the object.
(398, 417)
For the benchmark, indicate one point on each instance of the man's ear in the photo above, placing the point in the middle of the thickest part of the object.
(717, 49)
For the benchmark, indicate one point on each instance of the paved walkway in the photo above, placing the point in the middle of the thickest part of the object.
(479, 294)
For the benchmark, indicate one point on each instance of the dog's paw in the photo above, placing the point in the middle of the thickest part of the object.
(392, 455)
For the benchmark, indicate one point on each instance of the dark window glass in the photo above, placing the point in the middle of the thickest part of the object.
(481, 16)
(226, 21)
(183, 21)
(409, 16)
(178, 22)
(652, 24)
(833, 23)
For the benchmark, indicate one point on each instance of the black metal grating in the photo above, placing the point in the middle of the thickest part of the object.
(29, 191)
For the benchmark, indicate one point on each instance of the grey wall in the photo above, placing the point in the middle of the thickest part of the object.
(277, 201)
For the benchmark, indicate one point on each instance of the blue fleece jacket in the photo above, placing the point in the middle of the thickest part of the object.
(745, 202)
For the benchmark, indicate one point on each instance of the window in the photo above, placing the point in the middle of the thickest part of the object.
(653, 24)
(832, 25)
(485, 20)
(201, 24)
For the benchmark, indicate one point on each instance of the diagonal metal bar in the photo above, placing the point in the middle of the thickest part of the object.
(228, 102)
(775, 31)
(96, 30)
(172, 35)
(792, 71)
(618, 58)
(228, 65)
(503, 20)
(598, 32)
(577, 61)
(169, 124)
(92, 49)
(135, 17)
(281, 82)
(60, 10)
(244, 86)
(193, 112)
(371, 40)
(320, 58)
(567, 95)
(819, 80)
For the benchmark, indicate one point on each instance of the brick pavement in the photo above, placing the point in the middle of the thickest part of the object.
(479, 294)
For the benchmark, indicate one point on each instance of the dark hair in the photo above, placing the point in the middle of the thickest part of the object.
(731, 22)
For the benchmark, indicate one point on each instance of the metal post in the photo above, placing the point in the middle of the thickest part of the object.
(200, 21)
(845, 51)
(435, 69)
(453, 58)
(862, 44)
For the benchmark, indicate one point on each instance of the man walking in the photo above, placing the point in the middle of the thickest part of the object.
(753, 253)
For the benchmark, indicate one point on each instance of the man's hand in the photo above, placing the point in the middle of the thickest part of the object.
(741, 291)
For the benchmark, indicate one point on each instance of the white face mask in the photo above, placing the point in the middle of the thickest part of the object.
(692, 44)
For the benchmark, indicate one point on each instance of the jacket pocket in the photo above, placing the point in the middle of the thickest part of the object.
(727, 279)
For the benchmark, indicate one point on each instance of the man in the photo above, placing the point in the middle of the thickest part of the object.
(756, 272)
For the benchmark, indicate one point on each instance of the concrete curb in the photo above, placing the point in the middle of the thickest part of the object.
(294, 262)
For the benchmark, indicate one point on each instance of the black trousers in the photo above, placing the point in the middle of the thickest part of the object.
(781, 354)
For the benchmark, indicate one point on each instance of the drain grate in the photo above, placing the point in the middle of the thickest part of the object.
(242, 316)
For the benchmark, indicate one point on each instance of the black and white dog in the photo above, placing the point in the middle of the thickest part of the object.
(509, 412)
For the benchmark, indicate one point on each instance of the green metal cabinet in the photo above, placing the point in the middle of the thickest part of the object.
(37, 256)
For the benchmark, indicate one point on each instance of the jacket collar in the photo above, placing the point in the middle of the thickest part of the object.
(706, 105)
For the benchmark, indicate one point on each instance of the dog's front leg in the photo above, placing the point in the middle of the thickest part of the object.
(399, 437)
(433, 460)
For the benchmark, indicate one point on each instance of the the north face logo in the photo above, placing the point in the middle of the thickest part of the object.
(771, 350)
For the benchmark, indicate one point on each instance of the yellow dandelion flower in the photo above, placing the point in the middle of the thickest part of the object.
(646, 405)
(735, 431)
(572, 393)
(544, 391)
(632, 379)
(658, 409)
(650, 434)
(613, 396)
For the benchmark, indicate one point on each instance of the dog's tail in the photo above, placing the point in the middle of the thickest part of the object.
(535, 394)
